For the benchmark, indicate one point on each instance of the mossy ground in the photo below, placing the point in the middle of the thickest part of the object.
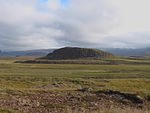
(22, 79)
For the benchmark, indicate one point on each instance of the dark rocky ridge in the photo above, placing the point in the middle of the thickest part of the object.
(77, 53)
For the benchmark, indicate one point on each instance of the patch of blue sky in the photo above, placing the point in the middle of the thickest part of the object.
(40, 6)
(42, 1)
(64, 2)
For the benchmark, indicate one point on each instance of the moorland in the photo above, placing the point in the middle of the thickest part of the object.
(75, 88)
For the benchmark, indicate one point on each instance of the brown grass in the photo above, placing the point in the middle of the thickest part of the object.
(111, 110)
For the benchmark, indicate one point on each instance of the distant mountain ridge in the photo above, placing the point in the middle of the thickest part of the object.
(38, 52)
(44, 52)
(129, 52)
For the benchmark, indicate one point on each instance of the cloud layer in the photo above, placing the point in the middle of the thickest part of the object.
(34, 24)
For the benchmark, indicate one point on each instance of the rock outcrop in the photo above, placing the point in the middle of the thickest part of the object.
(78, 53)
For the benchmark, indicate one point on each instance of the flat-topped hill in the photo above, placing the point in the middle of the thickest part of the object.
(78, 53)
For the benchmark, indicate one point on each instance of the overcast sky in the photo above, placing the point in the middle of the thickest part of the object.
(37, 24)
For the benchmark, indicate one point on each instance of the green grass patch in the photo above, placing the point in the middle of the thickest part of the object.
(8, 111)
(20, 77)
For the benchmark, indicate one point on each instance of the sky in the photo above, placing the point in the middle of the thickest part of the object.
(43, 24)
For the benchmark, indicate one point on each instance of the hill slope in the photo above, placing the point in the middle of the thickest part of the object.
(78, 53)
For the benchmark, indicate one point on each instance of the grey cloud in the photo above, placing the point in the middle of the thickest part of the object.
(23, 25)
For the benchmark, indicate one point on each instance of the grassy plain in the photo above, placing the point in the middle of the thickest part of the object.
(29, 79)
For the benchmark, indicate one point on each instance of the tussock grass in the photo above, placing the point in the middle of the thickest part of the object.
(19, 79)
(112, 110)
